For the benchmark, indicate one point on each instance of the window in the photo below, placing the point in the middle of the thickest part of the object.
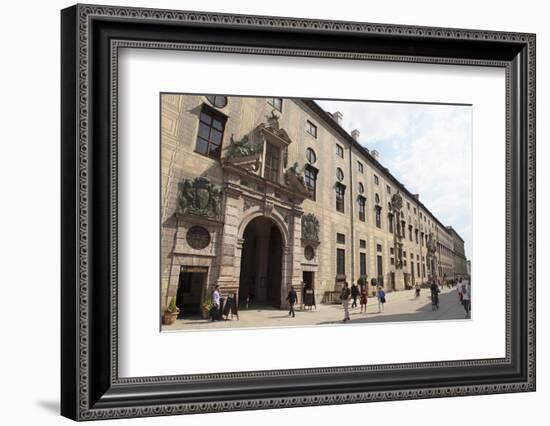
(272, 161)
(379, 248)
(362, 244)
(311, 128)
(391, 250)
(422, 239)
(416, 235)
(340, 191)
(377, 198)
(362, 264)
(340, 262)
(360, 167)
(360, 188)
(392, 261)
(339, 174)
(408, 205)
(340, 238)
(410, 233)
(361, 202)
(388, 189)
(276, 103)
(376, 180)
(390, 223)
(210, 136)
(310, 178)
(414, 210)
(217, 101)
(310, 156)
(377, 217)
(418, 268)
(339, 151)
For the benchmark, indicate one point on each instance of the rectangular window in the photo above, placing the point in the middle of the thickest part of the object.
(311, 128)
(339, 151)
(392, 261)
(362, 264)
(414, 210)
(418, 268)
(408, 205)
(379, 248)
(272, 161)
(410, 233)
(276, 103)
(340, 191)
(377, 217)
(390, 223)
(360, 167)
(340, 262)
(310, 178)
(376, 180)
(422, 239)
(210, 136)
(391, 250)
(362, 244)
(361, 202)
(416, 235)
(340, 238)
(388, 189)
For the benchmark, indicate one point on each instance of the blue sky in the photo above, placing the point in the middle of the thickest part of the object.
(426, 147)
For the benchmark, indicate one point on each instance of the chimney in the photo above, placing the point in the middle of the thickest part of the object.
(355, 134)
(417, 196)
(375, 154)
(337, 117)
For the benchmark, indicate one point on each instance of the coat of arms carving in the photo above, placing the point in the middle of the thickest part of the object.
(199, 197)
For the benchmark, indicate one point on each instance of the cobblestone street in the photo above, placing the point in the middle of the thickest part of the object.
(401, 306)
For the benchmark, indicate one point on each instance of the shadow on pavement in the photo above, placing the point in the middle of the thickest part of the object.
(446, 301)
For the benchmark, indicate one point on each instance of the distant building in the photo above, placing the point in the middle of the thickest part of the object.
(262, 193)
(458, 254)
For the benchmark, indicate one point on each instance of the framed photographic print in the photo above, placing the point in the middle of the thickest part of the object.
(263, 212)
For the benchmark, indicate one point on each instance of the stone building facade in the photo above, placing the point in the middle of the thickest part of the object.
(258, 194)
(459, 256)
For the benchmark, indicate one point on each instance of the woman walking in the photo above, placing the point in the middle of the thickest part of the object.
(381, 296)
(364, 298)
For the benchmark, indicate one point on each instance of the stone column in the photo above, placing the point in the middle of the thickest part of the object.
(228, 247)
(293, 256)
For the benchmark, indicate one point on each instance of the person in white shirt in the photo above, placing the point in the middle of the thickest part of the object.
(216, 303)
(466, 299)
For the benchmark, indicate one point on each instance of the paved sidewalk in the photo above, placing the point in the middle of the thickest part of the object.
(401, 306)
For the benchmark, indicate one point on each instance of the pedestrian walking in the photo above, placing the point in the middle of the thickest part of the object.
(344, 296)
(434, 289)
(459, 290)
(466, 299)
(354, 295)
(381, 296)
(364, 298)
(416, 291)
(291, 298)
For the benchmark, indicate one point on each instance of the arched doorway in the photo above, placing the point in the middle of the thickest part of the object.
(261, 263)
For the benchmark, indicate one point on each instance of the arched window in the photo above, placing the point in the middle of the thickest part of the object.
(361, 204)
(310, 155)
(360, 188)
(217, 101)
(340, 191)
(339, 174)
(310, 178)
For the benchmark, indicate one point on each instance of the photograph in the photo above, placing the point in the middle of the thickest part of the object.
(296, 212)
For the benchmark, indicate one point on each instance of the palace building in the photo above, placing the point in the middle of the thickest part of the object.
(258, 194)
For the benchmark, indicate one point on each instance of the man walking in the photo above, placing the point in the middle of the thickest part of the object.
(344, 296)
(434, 288)
(381, 296)
(354, 294)
(466, 299)
(291, 298)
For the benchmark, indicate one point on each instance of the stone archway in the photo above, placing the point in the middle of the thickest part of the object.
(262, 263)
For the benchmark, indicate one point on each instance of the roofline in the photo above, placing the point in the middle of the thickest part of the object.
(325, 116)
(456, 233)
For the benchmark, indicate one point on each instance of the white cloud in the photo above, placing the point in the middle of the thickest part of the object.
(427, 147)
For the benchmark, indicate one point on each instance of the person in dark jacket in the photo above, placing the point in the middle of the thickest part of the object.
(434, 288)
(291, 298)
(354, 295)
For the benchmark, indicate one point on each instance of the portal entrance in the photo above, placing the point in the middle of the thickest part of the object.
(191, 285)
(261, 264)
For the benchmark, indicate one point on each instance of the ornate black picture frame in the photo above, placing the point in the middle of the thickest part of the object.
(91, 388)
